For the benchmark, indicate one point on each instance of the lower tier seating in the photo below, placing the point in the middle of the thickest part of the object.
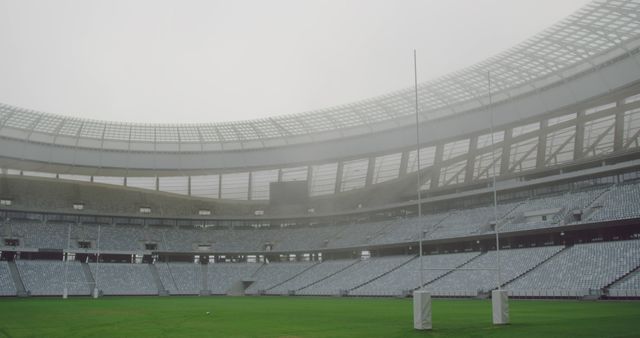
(549, 271)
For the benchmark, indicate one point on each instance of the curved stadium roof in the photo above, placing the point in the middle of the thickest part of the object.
(595, 35)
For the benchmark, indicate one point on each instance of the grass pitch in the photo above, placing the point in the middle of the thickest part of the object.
(306, 317)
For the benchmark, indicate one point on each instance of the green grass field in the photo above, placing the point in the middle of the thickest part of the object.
(306, 317)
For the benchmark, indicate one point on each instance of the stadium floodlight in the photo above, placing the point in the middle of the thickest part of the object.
(421, 297)
(499, 297)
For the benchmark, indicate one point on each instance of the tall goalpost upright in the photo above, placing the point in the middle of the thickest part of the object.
(499, 296)
(422, 319)
(421, 297)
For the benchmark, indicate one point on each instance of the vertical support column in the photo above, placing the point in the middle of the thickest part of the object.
(370, 169)
(542, 145)
(404, 160)
(437, 166)
(157, 183)
(189, 185)
(618, 130)
(471, 158)
(249, 194)
(220, 186)
(422, 310)
(309, 178)
(500, 306)
(339, 177)
(578, 148)
(506, 151)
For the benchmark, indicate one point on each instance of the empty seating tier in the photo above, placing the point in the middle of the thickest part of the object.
(580, 268)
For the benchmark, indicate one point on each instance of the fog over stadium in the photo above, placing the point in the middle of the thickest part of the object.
(213, 61)
(271, 169)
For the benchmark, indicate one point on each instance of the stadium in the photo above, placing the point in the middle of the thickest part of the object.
(315, 217)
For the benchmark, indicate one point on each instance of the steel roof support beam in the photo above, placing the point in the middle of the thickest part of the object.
(578, 151)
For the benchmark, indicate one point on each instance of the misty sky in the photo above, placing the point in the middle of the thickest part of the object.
(209, 61)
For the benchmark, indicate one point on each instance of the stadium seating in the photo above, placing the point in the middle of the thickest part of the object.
(408, 229)
(552, 271)
(273, 274)
(482, 273)
(222, 276)
(39, 235)
(354, 235)
(7, 287)
(538, 271)
(303, 238)
(601, 203)
(180, 278)
(124, 279)
(47, 278)
(564, 204)
(407, 277)
(355, 275)
(631, 282)
(629, 286)
(620, 203)
(469, 222)
(580, 268)
(311, 276)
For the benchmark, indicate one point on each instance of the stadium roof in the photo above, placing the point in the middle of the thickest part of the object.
(595, 35)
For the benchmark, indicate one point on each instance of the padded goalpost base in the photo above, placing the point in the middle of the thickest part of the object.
(422, 310)
(500, 305)
(95, 293)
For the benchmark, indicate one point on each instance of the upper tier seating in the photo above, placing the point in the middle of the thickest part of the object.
(620, 203)
(359, 234)
(408, 229)
(469, 222)
(564, 204)
(603, 203)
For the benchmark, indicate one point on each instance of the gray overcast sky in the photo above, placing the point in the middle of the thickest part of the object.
(209, 61)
